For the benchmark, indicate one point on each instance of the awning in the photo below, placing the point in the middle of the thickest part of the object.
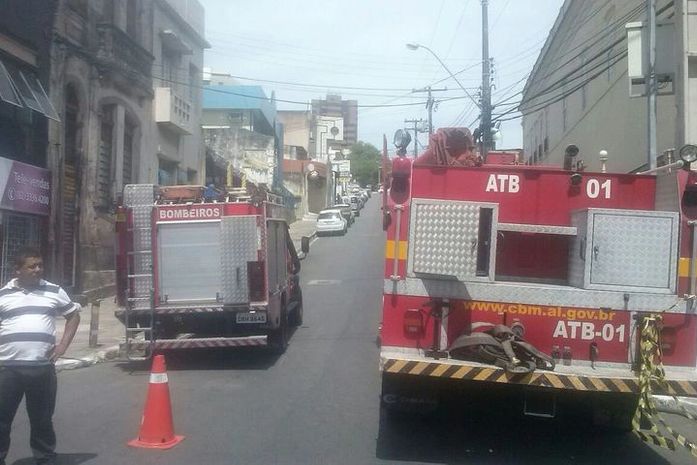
(22, 88)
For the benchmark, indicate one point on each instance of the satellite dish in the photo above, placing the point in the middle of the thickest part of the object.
(334, 130)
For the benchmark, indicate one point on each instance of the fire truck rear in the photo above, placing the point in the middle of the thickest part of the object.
(195, 270)
(566, 265)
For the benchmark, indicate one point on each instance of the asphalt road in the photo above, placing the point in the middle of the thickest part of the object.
(316, 404)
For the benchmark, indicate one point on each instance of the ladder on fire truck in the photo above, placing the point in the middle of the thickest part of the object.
(140, 296)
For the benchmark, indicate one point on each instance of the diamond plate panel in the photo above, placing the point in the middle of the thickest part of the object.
(443, 238)
(138, 194)
(239, 242)
(624, 250)
(140, 261)
(632, 250)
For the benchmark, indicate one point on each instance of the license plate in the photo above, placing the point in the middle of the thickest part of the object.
(246, 317)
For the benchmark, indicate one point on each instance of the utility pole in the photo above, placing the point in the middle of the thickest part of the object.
(415, 122)
(429, 104)
(651, 87)
(485, 122)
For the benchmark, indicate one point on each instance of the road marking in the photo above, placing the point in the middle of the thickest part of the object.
(322, 282)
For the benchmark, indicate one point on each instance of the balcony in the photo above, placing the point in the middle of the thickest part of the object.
(123, 60)
(172, 111)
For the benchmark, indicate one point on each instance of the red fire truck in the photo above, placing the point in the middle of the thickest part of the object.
(559, 264)
(204, 269)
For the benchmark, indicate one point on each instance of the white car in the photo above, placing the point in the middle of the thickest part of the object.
(331, 222)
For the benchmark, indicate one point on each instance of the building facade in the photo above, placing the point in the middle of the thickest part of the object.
(333, 106)
(297, 128)
(128, 116)
(178, 44)
(239, 125)
(579, 89)
(25, 112)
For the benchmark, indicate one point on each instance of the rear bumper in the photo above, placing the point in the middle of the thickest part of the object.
(569, 378)
(322, 228)
(198, 343)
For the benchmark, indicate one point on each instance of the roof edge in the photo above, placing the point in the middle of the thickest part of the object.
(545, 48)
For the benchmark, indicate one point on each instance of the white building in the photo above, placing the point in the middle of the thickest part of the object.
(579, 90)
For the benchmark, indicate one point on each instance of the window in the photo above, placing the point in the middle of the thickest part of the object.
(106, 157)
(22, 88)
(167, 173)
(194, 82)
(132, 19)
(128, 141)
(170, 62)
(8, 93)
(79, 7)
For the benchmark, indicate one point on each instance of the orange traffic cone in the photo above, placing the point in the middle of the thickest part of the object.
(156, 429)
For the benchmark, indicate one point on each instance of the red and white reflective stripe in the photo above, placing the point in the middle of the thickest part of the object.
(202, 343)
(158, 378)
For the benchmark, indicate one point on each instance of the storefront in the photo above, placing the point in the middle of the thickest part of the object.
(24, 210)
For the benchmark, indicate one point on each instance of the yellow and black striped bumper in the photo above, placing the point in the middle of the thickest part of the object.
(546, 379)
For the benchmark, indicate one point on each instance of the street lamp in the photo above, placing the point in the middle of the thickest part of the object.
(414, 46)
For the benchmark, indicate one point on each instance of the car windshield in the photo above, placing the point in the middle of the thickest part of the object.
(328, 216)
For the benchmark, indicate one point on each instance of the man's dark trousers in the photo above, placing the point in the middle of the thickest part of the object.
(38, 384)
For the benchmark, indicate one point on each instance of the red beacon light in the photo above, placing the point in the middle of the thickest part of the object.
(401, 166)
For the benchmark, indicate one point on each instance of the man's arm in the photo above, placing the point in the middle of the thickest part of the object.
(72, 320)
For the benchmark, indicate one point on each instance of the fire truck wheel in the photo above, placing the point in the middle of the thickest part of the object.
(296, 316)
(278, 338)
(614, 413)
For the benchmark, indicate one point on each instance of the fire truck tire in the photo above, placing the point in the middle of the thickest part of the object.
(403, 396)
(296, 316)
(614, 413)
(278, 338)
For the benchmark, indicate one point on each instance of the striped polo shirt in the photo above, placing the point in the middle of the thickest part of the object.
(28, 322)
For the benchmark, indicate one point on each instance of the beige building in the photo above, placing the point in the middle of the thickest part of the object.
(125, 77)
(579, 89)
(297, 131)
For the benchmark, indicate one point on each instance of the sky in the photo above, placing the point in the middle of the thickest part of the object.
(358, 49)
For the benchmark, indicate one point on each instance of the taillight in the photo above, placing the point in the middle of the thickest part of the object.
(413, 323)
(256, 280)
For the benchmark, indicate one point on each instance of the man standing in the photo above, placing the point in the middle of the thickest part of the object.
(28, 309)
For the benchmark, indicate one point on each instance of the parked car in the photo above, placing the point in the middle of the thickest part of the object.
(331, 222)
(346, 212)
(356, 205)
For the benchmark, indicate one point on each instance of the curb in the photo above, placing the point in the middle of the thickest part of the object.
(110, 353)
(670, 404)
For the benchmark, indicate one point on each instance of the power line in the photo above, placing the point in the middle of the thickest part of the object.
(595, 40)
(555, 99)
(295, 102)
(585, 45)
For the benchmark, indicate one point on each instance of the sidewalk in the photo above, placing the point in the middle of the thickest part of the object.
(111, 331)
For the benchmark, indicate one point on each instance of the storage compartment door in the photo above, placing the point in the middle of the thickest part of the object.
(633, 250)
(240, 245)
(188, 261)
(452, 239)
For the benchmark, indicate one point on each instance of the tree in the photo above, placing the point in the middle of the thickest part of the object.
(365, 160)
